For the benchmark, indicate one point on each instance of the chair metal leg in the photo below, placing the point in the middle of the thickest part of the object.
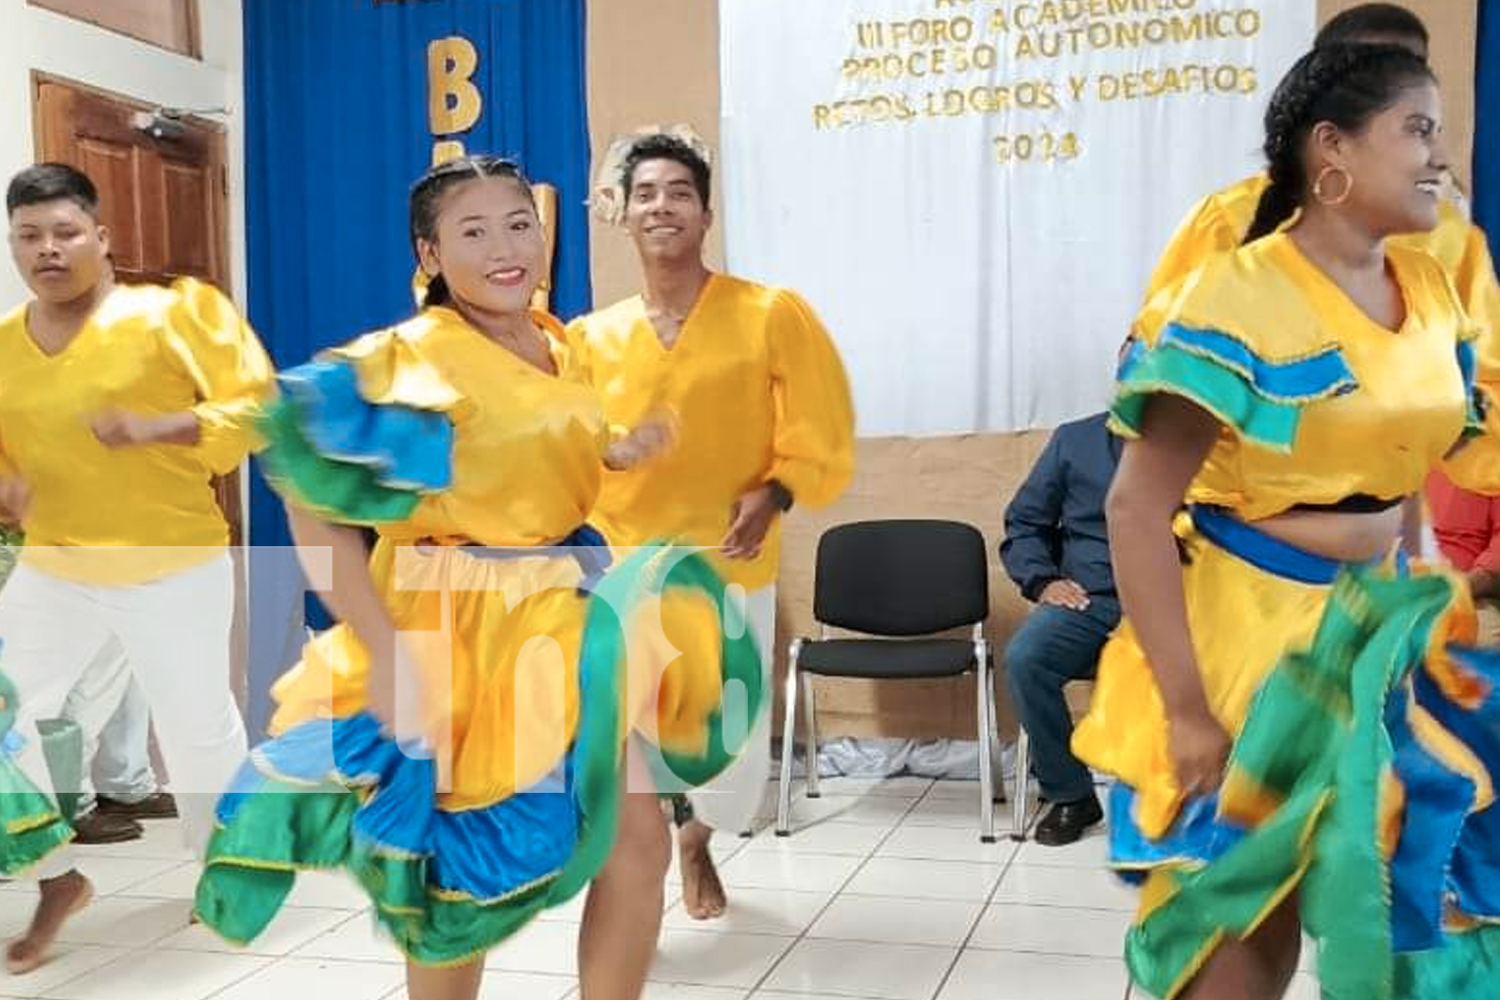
(788, 743)
(997, 756)
(810, 724)
(986, 771)
(1019, 809)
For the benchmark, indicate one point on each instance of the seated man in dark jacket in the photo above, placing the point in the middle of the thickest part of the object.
(1056, 549)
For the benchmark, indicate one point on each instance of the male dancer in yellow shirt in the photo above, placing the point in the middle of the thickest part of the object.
(118, 404)
(764, 420)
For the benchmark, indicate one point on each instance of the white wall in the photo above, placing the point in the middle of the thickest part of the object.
(35, 39)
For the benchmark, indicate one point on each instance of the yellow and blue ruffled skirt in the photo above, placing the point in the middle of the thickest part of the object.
(533, 677)
(1366, 741)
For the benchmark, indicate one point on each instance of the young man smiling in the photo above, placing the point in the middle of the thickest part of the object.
(764, 420)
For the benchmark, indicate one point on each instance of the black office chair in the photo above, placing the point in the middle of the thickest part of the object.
(895, 581)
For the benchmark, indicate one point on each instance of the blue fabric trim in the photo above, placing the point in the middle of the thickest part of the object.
(485, 853)
(1134, 355)
(1271, 555)
(1314, 377)
(1437, 802)
(1475, 874)
(409, 449)
(1467, 363)
(1197, 837)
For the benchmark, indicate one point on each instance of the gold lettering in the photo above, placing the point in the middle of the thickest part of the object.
(454, 103)
(448, 149)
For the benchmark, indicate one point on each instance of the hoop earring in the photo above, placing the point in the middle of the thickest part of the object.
(1322, 196)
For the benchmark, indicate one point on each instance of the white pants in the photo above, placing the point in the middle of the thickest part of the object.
(731, 801)
(109, 705)
(174, 633)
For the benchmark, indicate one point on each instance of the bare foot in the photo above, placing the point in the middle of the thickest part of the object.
(61, 898)
(702, 892)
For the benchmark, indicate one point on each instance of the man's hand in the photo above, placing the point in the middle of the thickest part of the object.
(15, 500)
(653, 438)
(122, 429)
(751, 517)
(1065, 594)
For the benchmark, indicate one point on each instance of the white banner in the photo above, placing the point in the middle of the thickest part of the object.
(973, 192)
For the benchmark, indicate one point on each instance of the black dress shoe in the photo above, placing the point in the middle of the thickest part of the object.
(1066, 822)
(158, 806)
(101, 828)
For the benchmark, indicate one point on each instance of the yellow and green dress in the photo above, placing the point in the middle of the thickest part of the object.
(1220, 221)
(1366, 736)
(536, 664)
(31, 826)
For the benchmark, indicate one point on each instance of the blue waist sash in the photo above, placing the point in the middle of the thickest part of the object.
(585, 544)
(1271, 555)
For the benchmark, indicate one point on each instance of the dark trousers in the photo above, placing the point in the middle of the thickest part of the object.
(1055, 646)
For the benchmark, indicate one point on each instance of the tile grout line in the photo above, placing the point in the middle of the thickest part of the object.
(833, 898)
(974, 927)
(153, 947)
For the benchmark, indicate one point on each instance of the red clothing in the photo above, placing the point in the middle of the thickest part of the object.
(1467, 525)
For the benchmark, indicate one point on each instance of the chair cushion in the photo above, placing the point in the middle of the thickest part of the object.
(887, 658)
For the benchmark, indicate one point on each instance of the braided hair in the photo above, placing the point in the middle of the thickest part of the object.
(430, 191)
(1345, 84)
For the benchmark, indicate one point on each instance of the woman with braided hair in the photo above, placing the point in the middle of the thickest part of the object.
(1220, 221)
(457, 744)
(1300, 737)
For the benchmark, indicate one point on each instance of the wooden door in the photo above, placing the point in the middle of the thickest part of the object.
(163, 193)
(163, 196)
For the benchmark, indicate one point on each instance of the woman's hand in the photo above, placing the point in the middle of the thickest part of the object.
(1200, 751)
(393, 693)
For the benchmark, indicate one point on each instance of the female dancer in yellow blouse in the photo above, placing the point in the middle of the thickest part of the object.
(1220, 221)
(458, 741)
(1295, 742)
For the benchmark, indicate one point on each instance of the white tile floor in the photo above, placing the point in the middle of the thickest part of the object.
(883, 892)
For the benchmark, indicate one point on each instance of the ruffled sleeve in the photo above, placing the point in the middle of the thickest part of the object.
(814, 437)
(1215, 225)
(229, 369)
(1256, 387)
(363, 434)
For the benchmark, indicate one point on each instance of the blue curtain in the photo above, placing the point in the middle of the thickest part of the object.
(1487, 124)
(337, 128)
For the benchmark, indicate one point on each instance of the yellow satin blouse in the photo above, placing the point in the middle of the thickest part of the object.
(147, 350)
(1220, 221)
(527, 445)
(759, 393)
(1318, 402)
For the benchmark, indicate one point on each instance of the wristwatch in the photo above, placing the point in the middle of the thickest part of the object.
(781, 495)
